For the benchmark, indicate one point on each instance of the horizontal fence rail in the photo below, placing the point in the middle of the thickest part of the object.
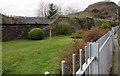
(98, 56)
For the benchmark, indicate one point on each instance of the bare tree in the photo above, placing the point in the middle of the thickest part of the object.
(43, 9)
(59, 12)
(70, 10)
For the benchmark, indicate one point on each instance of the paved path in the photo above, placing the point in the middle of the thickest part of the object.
(116, 55)
(119, 37)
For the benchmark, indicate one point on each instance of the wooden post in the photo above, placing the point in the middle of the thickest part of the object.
(50, 34)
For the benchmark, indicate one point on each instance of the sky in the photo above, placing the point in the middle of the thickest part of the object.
(29, 7)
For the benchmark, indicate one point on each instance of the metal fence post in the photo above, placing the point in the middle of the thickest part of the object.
(63, 67)
(47, 74)
(112, 38)
(80, 51)
(86, 55)
(111, 47)
(89, 50)
(74, 64)
(86, 59)
(94, 67)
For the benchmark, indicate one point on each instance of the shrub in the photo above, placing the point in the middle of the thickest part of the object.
(105, 25)
(78, 34)
(102, 17)
(66, 54)
(63, 28)
(36, 34)
(94, 34)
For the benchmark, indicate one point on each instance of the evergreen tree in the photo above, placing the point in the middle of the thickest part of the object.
(52, 10)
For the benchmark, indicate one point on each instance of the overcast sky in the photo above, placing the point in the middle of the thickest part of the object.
(29, 7)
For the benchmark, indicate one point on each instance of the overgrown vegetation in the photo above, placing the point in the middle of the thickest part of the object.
(78, 34)
(36, 34)
(63, 28)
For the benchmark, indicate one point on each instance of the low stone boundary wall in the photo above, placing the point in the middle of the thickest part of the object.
(12, 32)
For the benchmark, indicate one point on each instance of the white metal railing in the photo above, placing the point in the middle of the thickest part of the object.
(98, 56)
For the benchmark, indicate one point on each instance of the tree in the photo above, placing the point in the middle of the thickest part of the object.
(52, 10)
(47, 10)
(59, 10)
(43, 10)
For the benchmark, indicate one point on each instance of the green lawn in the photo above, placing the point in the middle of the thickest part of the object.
(33, 56)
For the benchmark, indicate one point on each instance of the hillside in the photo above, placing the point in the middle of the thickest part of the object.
(102, 10)
(94, 15)
(107, 10)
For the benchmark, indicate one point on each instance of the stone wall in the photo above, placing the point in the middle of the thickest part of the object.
(12, 32)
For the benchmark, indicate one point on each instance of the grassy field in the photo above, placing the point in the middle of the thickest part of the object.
(33, 56)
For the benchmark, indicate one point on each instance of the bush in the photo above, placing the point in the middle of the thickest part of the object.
(102, 17)
(105, 25)
(63, 28)
(36, 34)
(94, 34)
(78, 34)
